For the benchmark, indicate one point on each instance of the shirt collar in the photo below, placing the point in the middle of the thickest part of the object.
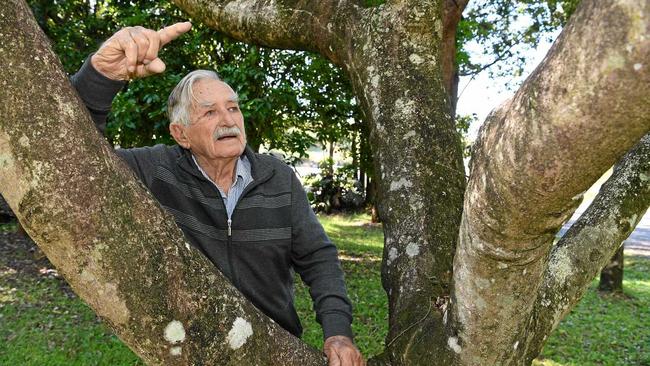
(242, 169)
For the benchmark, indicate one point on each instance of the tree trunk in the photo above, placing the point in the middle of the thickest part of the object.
(118, 249)
(611, 277)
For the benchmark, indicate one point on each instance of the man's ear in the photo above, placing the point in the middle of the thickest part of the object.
(178, 133)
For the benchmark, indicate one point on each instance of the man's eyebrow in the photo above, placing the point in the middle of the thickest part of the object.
(206, 104)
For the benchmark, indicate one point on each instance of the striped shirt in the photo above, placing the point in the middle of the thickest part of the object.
(244, 178)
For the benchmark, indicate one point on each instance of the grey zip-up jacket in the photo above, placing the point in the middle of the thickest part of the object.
(273, 229)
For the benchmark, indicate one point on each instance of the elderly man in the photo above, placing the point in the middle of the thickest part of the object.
(246, 212)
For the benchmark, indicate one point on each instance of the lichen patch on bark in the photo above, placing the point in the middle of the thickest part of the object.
(239, 333)
(174, 332)
(412, 249)
(107, 300)
(452, 342)
(400, 184)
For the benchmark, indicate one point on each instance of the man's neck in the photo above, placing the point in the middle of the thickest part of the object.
(221, 171)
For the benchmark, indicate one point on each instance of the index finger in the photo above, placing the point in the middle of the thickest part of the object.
(172, 32)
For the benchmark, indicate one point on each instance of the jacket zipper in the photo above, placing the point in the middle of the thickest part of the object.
(229, 249)
(229, 245)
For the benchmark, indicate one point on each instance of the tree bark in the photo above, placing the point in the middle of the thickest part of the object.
(118, 249)
(589, 244)
(583, 107)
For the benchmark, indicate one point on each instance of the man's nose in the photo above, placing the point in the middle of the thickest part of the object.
(227, 119)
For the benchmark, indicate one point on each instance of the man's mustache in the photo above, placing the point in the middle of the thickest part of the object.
(222, 132)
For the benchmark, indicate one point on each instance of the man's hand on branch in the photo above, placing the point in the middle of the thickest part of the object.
(341, 351)
(132, 52)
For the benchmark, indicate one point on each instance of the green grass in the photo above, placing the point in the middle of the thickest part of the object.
(41, 325)
(10, 227)
(360, 247)
(607, 329)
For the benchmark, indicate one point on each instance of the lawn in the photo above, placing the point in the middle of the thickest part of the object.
(43, 323)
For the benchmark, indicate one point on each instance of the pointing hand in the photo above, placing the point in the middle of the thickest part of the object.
(132, 52)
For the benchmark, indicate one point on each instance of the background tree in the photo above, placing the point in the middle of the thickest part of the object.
(575, 116)
(611, 277)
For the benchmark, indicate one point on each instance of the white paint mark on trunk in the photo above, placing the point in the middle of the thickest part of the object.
(175, 351)
(174, 332)
(514, 346)
(239, 333)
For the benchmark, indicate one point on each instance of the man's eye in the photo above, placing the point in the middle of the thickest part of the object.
(233, 109)
(209, 113)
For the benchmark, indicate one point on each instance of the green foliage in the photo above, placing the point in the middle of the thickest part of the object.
(360, 248)
(371, 3)
(334, 189)
(462, 126)
(505, 30)
(75, 28)
(290, 100)
(9, 227)
(41, 325)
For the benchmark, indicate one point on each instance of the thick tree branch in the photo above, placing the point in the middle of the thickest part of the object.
(452, 11)
(589, 94)
(579, 111)
(592, 241)
(107, 236)
(320, 26)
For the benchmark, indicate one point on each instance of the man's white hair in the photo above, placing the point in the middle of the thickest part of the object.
(180, 99)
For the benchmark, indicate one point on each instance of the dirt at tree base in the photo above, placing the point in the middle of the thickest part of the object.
(20, 258)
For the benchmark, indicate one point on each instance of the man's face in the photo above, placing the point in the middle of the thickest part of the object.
(216, 129)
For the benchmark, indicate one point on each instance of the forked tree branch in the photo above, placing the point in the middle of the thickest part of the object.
(591, 242)
(575, 116)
